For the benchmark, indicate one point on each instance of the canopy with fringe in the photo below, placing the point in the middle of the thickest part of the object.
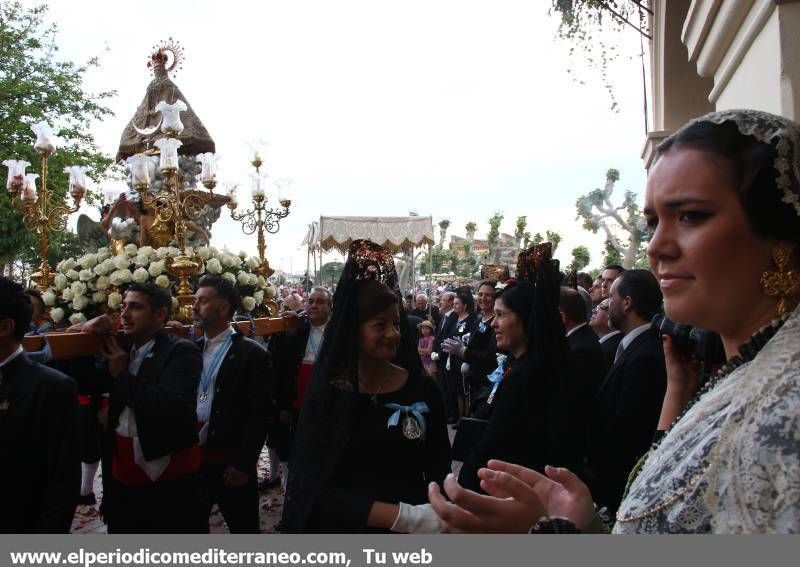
(396, 234)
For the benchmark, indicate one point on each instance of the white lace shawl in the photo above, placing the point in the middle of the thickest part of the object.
(737, 451)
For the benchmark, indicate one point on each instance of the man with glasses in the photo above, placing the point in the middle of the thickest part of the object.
(609, 338)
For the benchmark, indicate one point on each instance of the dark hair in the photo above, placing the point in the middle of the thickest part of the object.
(373, 298)
(616, 267)
(751, 165)
(572, 304)
(518, 297)
(466, 298)
(158, 297)
(225, 289)
(584, 280)
(324, 290)
(36, 295)
(642, 287)
(15, 305)
(491, 283)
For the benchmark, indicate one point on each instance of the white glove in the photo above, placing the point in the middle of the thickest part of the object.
(419, 519)
(434, 356)
(453, 346)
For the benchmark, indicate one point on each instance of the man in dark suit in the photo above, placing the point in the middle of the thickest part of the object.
(234, 406)
(294, 354)
(609, 338)
(587, 356)
(422, 310)
(151, 456)
(628, 404)
(39, 450)
(446, 330)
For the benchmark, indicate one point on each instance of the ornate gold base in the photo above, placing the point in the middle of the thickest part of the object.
(43, 278)
(263, 269)
(183, 267)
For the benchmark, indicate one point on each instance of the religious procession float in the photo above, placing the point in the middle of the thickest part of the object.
(159, 230)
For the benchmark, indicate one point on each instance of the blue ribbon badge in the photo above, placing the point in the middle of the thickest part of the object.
(412, 427)
(497, 375)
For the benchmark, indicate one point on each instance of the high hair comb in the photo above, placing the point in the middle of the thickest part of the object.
(369, 261)
(495, 272)
(532, 259)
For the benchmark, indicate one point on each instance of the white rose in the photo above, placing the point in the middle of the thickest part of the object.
(78, 288)
(243, 278)
(140, 275)
(114, 300)
(49, 298)
(60, 282)
(174, 251)
(229, 261)
(101, 283)
(249, 303)
(88, 261)
(230, 277)
(57, 315)
(213, 266)
(67, 294)
(204, 252)
(76, 318)
(253, 262)
(131, 249)
(85, 275)
(261, 282)
(121, 261)
(73, 275)
(162, 252)
(69, 264)
(259, 297)
(145, 251)
(175, 303)
(253, 279)
(120, 277)
(103, 253)
(99, 297)
(141, 260)
(79, 302)
(162, 281)
(60, 266)
(242, 254)
(156, 268)
(101, 269)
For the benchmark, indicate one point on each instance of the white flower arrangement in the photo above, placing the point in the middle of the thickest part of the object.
(95, 283)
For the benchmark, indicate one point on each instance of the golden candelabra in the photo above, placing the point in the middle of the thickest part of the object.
(260, 219)
(176, 205)
(41, 214)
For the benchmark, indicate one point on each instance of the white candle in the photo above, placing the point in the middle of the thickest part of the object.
(169, 152)
(16, 173)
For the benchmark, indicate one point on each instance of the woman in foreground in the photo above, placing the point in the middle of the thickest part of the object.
(723, 202)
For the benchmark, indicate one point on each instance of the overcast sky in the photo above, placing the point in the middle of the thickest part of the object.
(454, 109)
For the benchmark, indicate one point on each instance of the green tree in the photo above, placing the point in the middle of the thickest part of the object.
(493, 237)
(330, 272)
(580, 259)
(611, 255)
(553, 237)
(537, 239)
(470, 228)
(444, 224)
(519, 231)
(36, 86)
(598, 212)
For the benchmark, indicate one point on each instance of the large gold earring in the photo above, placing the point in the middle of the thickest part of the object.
(783, 283)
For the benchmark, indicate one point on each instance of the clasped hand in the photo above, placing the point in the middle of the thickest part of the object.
(517, 497)
(454, 347)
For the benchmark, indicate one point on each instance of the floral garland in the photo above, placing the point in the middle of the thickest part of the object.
(94, 283)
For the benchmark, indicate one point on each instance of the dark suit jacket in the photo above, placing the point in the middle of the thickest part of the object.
(446, 329)
(287, 353)
(163, 397)
(610, 349)
(624, 417)
(40, 474)
(589, 363)
(243, 407)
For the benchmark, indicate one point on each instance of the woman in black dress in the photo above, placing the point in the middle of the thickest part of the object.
(533, 419)
(372, 434)
(464, 308)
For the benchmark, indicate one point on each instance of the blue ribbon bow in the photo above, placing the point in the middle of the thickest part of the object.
(496, 377)
(416, 410)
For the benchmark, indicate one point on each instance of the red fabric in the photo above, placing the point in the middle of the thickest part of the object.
(303, 381)
(84, 400)
(126, 471)
(214, 456)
